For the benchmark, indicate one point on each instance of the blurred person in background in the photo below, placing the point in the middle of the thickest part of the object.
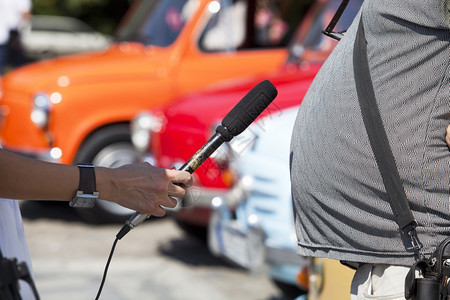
(14, 14)
(139, 187)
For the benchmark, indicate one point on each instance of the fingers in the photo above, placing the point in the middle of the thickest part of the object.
(160, 211)
(181, 178)
(170, 202)
(157, 207)
(177, 191)
(143, 187)
(178, 182)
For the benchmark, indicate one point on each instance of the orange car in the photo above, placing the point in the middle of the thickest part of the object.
(77, 108)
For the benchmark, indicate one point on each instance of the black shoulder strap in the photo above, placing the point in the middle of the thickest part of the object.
(378, 139)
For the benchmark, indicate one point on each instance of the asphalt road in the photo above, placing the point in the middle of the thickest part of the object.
(156, 260)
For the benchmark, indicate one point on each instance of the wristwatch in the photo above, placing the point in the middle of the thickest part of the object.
(86, 193)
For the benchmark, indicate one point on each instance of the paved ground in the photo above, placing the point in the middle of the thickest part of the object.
(154, 261)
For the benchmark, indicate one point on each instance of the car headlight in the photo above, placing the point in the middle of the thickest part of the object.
(41, 110)
(142, 127)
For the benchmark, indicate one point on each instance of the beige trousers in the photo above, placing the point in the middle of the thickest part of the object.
(376, 282)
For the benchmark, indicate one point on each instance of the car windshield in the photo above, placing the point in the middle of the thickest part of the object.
(156, 22)
(251, 24)
(309, 42)
(58, 24)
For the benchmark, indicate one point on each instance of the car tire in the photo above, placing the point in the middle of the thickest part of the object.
(196, 231)
(107, 147)
(289, 291)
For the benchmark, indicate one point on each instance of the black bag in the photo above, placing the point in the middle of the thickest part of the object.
(11, 271)
(434, 272)
(429, 278)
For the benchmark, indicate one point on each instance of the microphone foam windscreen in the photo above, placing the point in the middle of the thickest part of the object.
(250, 107)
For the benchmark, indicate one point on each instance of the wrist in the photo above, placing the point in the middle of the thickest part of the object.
(87, 193)
(104, 181)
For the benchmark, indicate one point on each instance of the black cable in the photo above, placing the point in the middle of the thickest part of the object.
(106, 268)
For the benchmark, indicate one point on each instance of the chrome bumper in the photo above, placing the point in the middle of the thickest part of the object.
(244, 244)
(44, 154)
(197, 197)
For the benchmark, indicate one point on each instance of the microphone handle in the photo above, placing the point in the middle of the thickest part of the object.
(203, 153)
(190, 166)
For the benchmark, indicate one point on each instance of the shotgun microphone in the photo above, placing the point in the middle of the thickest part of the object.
(234, 123)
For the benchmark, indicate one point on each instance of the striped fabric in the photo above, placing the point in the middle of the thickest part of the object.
(341, 208)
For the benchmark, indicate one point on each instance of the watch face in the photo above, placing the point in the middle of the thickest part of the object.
(84, 200)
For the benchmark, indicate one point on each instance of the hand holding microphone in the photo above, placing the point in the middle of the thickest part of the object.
(234, 123)
(142, 187)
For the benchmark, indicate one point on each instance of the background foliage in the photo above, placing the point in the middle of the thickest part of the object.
(102, 15)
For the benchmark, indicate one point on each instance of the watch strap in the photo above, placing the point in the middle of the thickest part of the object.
(87, 178)
(86, 194)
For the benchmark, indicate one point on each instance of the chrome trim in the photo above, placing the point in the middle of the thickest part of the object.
(44, 154)
(141, 128)
(282, 256)
(40, 113)
(200, 197)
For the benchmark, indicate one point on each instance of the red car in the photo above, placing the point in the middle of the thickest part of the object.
(179, 130)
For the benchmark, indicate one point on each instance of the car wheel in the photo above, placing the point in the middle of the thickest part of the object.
(289, 291)
(196, 231)
(108, 147)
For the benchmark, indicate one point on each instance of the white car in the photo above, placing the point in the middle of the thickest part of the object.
(253, 224)
(52, 36)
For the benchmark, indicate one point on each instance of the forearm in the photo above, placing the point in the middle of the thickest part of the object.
(29, 179)
(140, 186)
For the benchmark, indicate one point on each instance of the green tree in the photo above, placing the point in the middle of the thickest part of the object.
(102, 15)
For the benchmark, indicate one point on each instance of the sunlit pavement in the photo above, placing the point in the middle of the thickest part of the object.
(154, 261)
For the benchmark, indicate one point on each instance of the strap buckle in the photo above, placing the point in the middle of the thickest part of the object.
(415, 243)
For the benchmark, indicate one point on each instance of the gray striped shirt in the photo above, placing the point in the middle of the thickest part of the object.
(341, 207)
